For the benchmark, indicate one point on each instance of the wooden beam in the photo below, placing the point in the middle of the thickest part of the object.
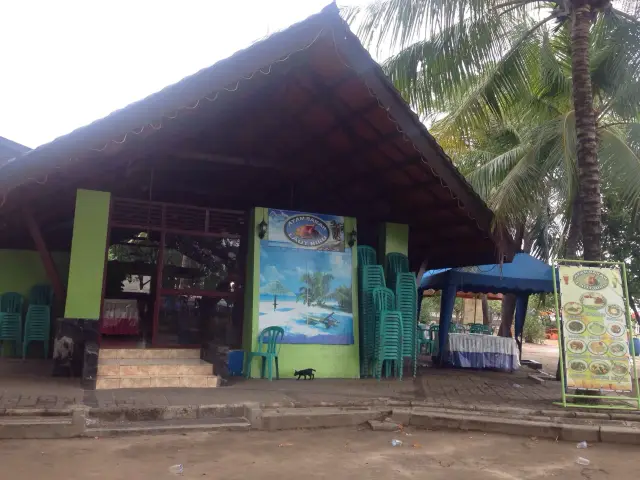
(357, 57)
(45, 256)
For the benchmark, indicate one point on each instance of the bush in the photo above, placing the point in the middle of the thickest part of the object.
(534, 329)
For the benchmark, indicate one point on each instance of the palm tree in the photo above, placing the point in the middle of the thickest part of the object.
(344, 297)
(315, 290)
(523, 161)
(484, 48)
(275, 288)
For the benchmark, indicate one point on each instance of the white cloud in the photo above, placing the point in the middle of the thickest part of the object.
(271, 274)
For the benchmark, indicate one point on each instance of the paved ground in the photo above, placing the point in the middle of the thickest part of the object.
(336, 454)
(28, 385)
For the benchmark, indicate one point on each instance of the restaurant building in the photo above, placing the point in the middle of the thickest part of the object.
(189, 220)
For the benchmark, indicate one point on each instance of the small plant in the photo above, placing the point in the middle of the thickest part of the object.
(534, 329)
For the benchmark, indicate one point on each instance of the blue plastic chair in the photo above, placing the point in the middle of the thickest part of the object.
(268, 338)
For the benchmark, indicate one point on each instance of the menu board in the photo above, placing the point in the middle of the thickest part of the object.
(594, 329)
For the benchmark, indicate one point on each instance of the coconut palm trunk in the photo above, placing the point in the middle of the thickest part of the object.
(587, 147)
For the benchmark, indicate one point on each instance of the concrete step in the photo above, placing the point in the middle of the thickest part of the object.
(183, 425)
(37, 426)
(162, 367)
(158, 381)
(148, 353)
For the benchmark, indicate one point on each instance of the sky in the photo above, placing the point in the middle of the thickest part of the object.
(66, 63)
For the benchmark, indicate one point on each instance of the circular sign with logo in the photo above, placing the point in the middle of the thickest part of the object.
(306, 231)
(590, 280)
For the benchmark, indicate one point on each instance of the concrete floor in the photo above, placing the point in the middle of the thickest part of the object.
(337, 454)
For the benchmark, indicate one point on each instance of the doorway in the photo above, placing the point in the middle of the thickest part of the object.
(174, 276)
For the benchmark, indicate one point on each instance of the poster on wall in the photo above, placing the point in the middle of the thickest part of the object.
(595, 329)
(308, 293)
(306, 230)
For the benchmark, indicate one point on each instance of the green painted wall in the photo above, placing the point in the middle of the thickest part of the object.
(394, 237)
(252, 288)
(330, 361)
(22, 269)
(88, 250)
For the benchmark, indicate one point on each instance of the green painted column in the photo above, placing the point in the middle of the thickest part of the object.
(88, 251)
(252, 282)
(394, 237)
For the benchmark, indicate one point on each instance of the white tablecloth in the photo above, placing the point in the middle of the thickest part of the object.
(468, 350)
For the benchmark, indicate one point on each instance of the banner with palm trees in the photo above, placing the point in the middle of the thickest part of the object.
(307, 292)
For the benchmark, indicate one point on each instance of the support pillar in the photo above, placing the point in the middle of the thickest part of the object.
(76, 344)
(447, 301)
(522, 303)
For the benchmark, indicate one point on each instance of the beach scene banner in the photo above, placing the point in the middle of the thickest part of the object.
(307, 292)
(595, 329)
(310, 231)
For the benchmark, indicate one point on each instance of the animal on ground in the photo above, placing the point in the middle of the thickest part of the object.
(307, 372)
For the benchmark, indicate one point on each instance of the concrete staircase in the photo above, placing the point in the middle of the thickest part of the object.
(153, 368)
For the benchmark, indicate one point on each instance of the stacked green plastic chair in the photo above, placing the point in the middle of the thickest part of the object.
(366, 256)
(407, 304)
(383, 299)
(11, 319)
(371, 277)
(395, 263)
(37, 326)
(389, 343)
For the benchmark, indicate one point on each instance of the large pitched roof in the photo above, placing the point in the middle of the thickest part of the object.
(394, 151)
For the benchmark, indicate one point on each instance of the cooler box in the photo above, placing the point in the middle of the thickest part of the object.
(235, 362)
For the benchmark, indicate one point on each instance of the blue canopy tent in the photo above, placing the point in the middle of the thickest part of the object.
(523, 276)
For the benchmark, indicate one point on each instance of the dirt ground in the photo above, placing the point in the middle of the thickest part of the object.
(336, 454)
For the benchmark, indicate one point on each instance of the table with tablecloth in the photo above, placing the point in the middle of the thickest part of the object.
(470, 350)
(120, 317)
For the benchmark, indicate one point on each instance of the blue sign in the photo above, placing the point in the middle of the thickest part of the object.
(306, 230)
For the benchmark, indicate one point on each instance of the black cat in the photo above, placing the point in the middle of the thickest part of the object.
(307, 372)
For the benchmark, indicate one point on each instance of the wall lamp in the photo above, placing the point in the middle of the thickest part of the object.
(352, 237)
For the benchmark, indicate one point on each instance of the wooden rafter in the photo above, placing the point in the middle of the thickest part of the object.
(45, 256)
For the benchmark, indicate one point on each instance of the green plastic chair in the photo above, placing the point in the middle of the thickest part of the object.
(269, 338)
(383, 299)
(366, 255)
(371, 277)
(479, 328)
(11, 318)
(423, 338)
(41, 295)
(37, 328)
(396, 263)
(389, 343)
(11, 302)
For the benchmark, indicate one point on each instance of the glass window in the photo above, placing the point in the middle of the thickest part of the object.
(201, 263)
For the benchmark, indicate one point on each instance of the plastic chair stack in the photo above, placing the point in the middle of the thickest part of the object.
(389, 344)
(383, 299)
(37, 326)
(11, 318)
(371, 277)
(366, 256)
(407, 304)
(396, 263)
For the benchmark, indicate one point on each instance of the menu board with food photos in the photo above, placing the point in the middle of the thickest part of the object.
(594, 329)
